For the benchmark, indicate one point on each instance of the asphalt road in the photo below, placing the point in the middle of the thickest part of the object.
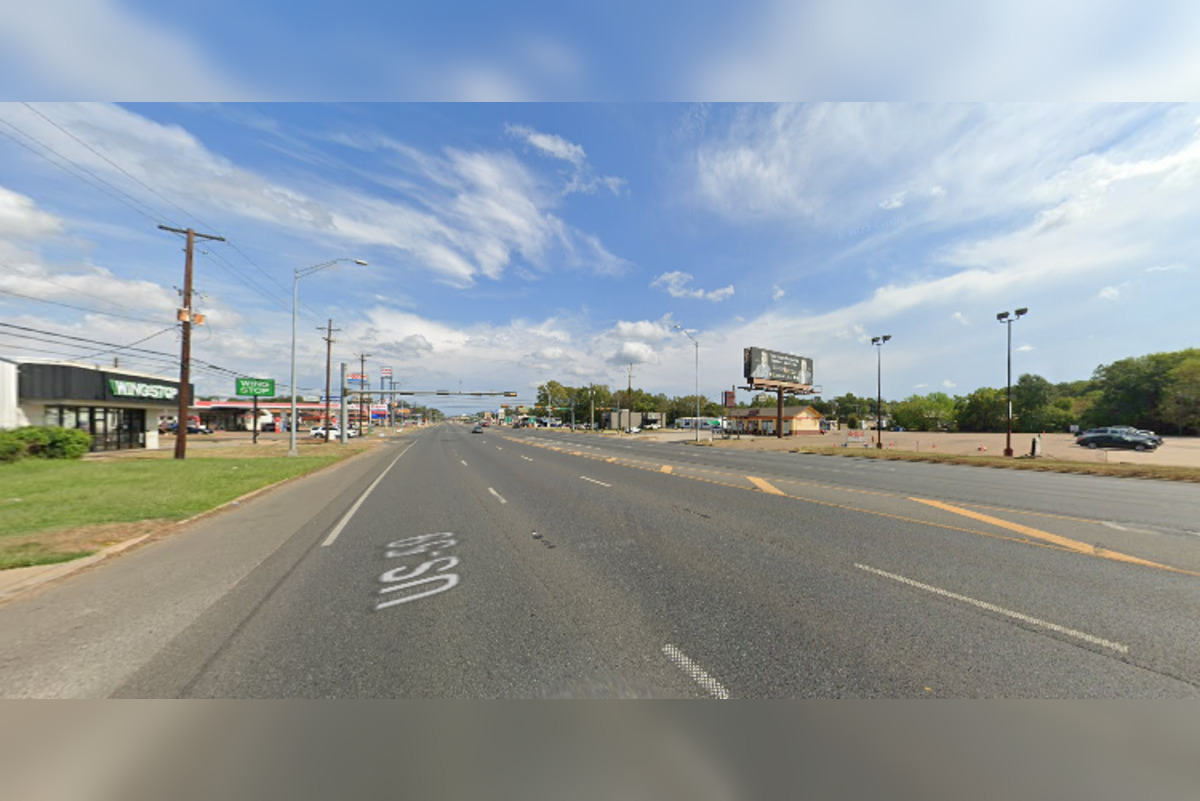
(549, 564)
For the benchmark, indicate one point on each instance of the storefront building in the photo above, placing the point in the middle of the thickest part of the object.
(120, 410)
(797, 420)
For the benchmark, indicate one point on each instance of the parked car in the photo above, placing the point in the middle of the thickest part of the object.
(1117, 437)
(319, 432)
(477, 430)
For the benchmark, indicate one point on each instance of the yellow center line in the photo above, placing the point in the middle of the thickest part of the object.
(1063, 542)
(765, 486)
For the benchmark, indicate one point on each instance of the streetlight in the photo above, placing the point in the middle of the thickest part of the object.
(1008, 321)
(297, 274)
(878, 343)
(696, 425)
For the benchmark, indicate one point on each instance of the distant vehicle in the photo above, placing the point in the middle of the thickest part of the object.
(477, 429)
(1116, 437)
(194, 426)
(653, 426)
(633, 430)
(319, 432)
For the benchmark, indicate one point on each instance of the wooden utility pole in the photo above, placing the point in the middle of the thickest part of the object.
(329, 329)
(185, 356)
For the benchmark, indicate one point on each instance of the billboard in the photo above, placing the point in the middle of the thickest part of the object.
(771, 365)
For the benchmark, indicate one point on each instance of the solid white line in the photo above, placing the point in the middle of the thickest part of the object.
(498, 495)
(697, 674)
(1116, 646)
(594, 481)
(333, 535)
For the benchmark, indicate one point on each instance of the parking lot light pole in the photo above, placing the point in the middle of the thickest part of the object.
(297, 274)
(878, 343)
(1008, 320)
(696, 426)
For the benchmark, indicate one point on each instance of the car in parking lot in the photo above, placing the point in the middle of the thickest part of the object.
(1117, 437)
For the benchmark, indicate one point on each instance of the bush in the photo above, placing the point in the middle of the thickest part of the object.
(35, 439)
(68, 443)
(45, 442)
(11, 448)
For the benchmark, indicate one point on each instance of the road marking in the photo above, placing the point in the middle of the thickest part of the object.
(464, 462)
(666, 468)
(1094, 640)
(1063, 542)
(697, 673)
(337, 530)
(499, 448)
(765, 486)
(498, 495)
(526, 458)
(594, 481)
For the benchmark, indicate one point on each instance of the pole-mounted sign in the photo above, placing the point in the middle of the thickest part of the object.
(258, 387)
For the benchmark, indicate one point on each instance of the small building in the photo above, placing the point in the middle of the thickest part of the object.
(797, 420)
(120, 409)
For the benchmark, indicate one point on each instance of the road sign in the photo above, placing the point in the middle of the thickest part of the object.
(257, 387)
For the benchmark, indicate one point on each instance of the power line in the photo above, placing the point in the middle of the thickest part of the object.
(116, 192)
(141, 183)
(78, 308)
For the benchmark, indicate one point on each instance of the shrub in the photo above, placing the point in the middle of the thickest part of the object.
(11, 448)
(46, 442)
(35, 439)
(67, 443)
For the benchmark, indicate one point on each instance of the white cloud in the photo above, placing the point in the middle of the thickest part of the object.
(551, 145)
(103, 48)
(1024, 348)
(20, 218)
(894, 202)
(948, 384)
(777, 292)
(1110, 293)
(997, 49)
(676, 285)
(960, 318)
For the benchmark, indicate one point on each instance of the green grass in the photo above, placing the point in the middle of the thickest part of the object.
(41, 496)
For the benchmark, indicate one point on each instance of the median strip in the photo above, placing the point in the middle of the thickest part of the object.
(1062, 542)
(765, 485)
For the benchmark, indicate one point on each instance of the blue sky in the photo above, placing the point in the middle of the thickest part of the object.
(510, 244)
(524, 239)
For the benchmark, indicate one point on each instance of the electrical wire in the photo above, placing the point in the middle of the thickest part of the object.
(77, 308)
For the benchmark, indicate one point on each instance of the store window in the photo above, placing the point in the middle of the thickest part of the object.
(111, 428)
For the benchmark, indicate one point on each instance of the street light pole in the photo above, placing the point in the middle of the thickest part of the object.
(1008, 320)
(695, 342)
(297, 274)
(878, 343)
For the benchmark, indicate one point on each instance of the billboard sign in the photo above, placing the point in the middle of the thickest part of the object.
(256, 387)
(730, 399)
(771, 365)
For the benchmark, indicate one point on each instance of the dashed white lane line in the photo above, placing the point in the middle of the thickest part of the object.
(464, 462)
(594, 481)
(697, 673)
(337, 530)
(1091, 638)
(498, 495)
(526, 458)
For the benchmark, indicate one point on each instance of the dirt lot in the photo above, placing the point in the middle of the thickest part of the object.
(1175, 451)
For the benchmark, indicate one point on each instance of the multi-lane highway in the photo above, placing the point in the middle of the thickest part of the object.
(534, 563)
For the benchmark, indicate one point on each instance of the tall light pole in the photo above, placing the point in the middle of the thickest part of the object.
(1008, 320)
(878, 343)
(695, 342)
(297, 274)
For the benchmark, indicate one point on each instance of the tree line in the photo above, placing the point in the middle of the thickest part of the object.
(1160, 392)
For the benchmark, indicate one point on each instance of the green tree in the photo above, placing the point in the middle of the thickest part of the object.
(985, 409)
(932, 412)
(1181, 402)
(1132, 389)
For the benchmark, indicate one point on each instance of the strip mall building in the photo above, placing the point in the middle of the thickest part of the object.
(119, 409)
